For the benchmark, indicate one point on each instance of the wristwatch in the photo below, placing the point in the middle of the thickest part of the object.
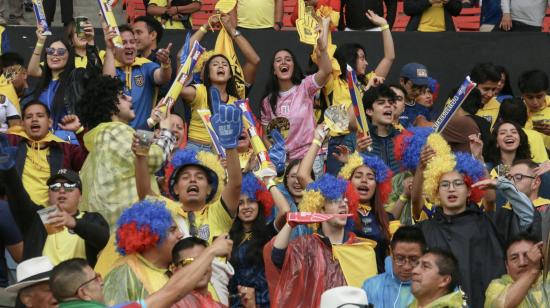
(280, 24)
(237, 33)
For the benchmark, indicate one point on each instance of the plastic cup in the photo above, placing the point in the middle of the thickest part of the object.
(80, 21)
(145, 140)
(44, 214)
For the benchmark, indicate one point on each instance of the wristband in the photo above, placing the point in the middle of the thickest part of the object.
(203, 29)
(39, 44)
(162, 65)
(384, 27)
(403, 198)
(81, 129)
(270, 184)
(317, 142)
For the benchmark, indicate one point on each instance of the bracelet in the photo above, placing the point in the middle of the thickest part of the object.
(39, 44)
(81, 129)
(317, 142)
(36, 54)
(384, 27)
(203, 29)
(403, 198)
(270, 184)
(162, 65)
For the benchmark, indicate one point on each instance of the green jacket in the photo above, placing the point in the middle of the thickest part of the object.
(80, 304)
(451, 300)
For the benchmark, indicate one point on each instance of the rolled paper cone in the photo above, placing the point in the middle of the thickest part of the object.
(185, 71)
(205, 117)
(110, 20)
(38, 8)
(250, 125)
(309, 218)
(358, 108)
(457, 100)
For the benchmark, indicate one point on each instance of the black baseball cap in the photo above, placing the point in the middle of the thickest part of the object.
(66, 174)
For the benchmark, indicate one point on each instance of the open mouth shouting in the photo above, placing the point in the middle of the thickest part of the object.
(452, 198)
(193, 190)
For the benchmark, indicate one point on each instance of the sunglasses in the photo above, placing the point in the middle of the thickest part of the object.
(96, 277)
(185, 262)
(56, 51)
(68, 187)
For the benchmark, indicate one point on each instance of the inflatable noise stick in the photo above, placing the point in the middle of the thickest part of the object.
(185, 71)
(109, 17)
(257, 143)
(358, 108)
(457, 100)
(205, 117)
(38, 7)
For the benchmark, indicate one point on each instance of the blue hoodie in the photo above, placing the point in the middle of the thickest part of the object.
(386, 290)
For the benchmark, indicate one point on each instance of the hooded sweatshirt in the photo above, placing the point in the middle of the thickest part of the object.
(386, 290)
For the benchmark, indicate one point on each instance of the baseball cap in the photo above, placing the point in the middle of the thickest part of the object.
(415, 72)
(66, 174)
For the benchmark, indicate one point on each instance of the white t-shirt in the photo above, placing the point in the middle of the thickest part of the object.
(7, 112)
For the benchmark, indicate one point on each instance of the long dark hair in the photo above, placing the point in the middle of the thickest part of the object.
(230, 87)
(522, 152)
(507, 89)
(58, 107)
(260, 236)
(272, 87)
(347, 55)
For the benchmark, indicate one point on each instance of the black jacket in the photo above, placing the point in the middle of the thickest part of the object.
(473, 238)
(92, 227)
(415, 8)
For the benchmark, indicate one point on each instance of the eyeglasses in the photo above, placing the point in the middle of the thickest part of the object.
(445, 185)
(338, 201)
(59, 51)
(96, 277)
(518, 177)
(68, 187)
(402, 260)
(382, 101)
(185, 262)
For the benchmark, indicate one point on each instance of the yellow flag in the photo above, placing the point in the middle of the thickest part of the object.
(224, 46)
(225, 6)
(356, 256)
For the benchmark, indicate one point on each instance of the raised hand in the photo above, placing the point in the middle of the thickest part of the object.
(277, 152)
(342, 153)
(227, 120)
(222, 246)
(163, 55)
(476, 146)
(542, 168)
(375, 19)
(60, 218)
(70, 122)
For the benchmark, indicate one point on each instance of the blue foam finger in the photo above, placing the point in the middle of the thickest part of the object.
(215, 99)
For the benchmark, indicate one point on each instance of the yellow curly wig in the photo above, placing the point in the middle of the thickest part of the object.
(354, 161)
(443, 162)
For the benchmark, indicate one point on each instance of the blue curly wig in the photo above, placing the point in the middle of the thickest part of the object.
(331, 187)
(381, 170)
(469, 166)
(142, 226)
(250, 186)
(188, 157)
(413, 145)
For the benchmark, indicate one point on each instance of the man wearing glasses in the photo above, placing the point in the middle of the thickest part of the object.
(393, 288)
(525, 174)
(77, 234)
